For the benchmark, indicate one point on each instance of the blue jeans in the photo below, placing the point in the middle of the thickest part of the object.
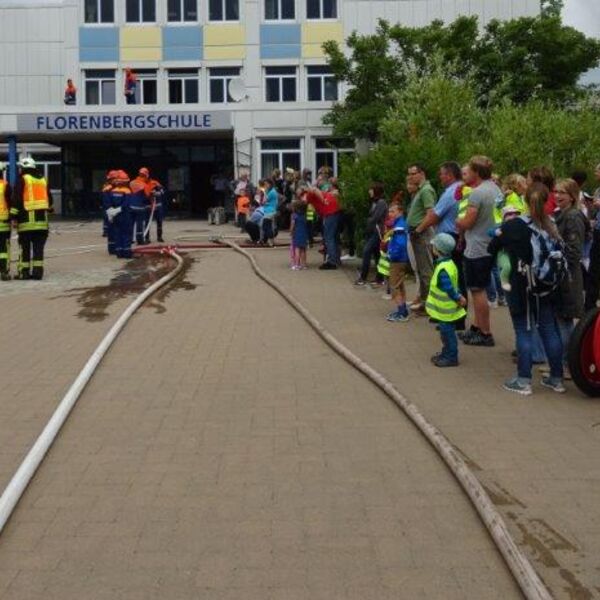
(449, 341)
(331, 225)
(494, 290)
(548, 330)
(370, 252)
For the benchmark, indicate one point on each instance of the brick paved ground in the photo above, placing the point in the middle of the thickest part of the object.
(222, 451)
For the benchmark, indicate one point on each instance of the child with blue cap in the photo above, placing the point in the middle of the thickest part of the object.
(445, 305)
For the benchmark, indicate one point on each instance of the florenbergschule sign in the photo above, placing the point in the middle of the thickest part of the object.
(123, 122)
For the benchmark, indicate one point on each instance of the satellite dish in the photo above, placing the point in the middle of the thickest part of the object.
(237, 89)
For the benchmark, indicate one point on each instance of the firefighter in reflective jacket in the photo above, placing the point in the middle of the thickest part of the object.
(108, 230)
(4, 226)
(155, 196)
(140, 208)
(118, 213)
(30, 205)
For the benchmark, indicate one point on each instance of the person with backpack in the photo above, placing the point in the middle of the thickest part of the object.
(537, 269)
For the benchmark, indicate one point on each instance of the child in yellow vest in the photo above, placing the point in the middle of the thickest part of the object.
(445, 304)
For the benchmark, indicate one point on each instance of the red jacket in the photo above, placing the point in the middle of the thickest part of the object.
(326, 207)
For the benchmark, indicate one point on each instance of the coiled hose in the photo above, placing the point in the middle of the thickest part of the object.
(528, 580)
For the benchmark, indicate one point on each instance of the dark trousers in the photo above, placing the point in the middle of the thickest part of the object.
(267, 230)
(253, 230)
(348, 227)
(370, 252)
(123, 225)
(4, 251)
(31, 258)
(449, 340)
(140, 220)
(592, 287)
(242, 221)
(158, 217)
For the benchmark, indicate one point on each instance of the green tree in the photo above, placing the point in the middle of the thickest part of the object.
(515, 60)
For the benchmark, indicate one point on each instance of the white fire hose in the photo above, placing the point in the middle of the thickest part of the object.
(17, 485)
(528, 580)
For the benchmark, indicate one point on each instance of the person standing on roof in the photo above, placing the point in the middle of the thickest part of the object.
(130, 86)
(70, 93)
(30, 206)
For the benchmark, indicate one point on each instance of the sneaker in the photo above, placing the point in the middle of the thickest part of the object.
(554, 384)
(419, 312)
(415, 306)
(436, 357)
(360, 283)
(480, 339)
(398, 317)
(517, 386)
(544, 369)
(442, 361)
(502, 302)
(386, 297)
(376, 284)
(493, 303)
(326, 266)
(346, 257)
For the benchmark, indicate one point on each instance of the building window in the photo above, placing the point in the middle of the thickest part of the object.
(280, 10)
(321, 84)
(223, 10)
(280, 154)
(140, 11)
(321, 9)
(182, 10)
(99, 11)
(219, 79)
(328, 152)
(100, 86)
(280, 84)
(183, 86)
(146, 91)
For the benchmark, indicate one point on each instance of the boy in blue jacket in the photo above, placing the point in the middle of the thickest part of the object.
(399, 264)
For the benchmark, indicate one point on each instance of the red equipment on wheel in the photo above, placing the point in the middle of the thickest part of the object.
(584, 354)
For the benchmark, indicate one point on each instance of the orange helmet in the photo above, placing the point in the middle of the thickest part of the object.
(122, 177)
(144, 171)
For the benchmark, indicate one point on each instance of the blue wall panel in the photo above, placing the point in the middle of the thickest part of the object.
(98, 44)
(182, 43)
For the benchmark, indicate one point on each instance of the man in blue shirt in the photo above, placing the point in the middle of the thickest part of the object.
(444, 213)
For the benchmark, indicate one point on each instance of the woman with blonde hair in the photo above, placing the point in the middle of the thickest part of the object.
(572, 226)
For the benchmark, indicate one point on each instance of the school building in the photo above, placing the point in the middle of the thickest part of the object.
(222, 85)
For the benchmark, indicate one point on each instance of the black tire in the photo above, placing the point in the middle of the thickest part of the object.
(586, 379)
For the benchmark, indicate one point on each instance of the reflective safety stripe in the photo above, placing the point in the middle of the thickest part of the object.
(439, 305)
(35, 194)
(311, 213)
(37, 263)
(4, 212)
(383, 265)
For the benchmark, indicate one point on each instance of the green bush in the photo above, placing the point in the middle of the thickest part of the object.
(436, 118)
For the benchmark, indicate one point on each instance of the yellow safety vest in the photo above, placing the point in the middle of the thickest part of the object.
(515, 201)
(4, 212)
(35, 193)
(464, 202)
(311, 213)
(383, 265)
(439, 305)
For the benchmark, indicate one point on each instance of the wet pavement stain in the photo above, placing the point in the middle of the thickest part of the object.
(501, 496)
(135, 276)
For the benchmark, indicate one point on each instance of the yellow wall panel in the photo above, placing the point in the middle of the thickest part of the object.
(224, 35)
(224, 52)
(141, 54)
(141, 37)
(317, 33)
(312, 51)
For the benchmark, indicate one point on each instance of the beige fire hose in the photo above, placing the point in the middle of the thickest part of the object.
(528, 580)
